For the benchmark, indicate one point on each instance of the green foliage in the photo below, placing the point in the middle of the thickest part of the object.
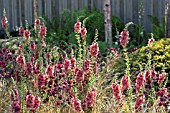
(138, 36)
(61, 29)
(158, 27)
(160, 58)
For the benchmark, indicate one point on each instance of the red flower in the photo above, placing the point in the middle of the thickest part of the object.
(16, 106)
(42, 80)
(125, 83)
(29, 68)
(4, 22)
(73, 63)
(33, 46)
(43, 31)
(20, 60)
(94, 49)
(161, 78)
(37, 22)
(30, 101)
(139, 102)
(150, 41)
(86, 65)
(124, 38)
(37, 102)
(91, 98)
(79, 75)
(77, 105)
(77, 27)
(21, 31)
(116, 91)
(139, 81)
(162, 92)
(27, 34)
(50, 71)
(67, 65)
(83, 31)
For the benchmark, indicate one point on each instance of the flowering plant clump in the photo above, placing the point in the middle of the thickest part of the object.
(40, 78)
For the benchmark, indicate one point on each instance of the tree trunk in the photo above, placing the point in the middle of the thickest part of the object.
(35, 9)
(108, 22)
(167, 14)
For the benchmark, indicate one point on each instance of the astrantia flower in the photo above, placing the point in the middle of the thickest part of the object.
(77, 27)
(124, 38)
(4, 22)
(94, 49)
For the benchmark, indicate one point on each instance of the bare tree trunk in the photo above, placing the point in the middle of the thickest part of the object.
(108, 22)
(167, 21)
(35, 9)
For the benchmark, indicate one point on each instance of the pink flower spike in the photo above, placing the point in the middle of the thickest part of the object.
(4, 22)
(77, 27)
(124, 38)
(125, 83)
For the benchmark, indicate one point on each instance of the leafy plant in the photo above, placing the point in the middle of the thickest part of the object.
(158, 27)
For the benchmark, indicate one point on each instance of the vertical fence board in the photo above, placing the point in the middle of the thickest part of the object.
(128, 10)
(14, 13)
(39, 7)
(135, 10)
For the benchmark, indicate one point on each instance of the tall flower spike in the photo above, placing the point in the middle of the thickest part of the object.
(125, 83)
(67, 65)
(116, 91)
(21, 31)
(139, 81)
(4, 22)
(124, 38)
(94, 49)
(77, 27)
(43, 31)
(139, 103)
(77, 105)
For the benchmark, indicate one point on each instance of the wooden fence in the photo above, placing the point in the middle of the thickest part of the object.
(20, 10)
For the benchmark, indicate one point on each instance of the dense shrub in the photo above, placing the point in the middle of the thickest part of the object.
(160, 58)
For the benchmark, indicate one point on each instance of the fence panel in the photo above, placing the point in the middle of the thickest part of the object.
(128, 10)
